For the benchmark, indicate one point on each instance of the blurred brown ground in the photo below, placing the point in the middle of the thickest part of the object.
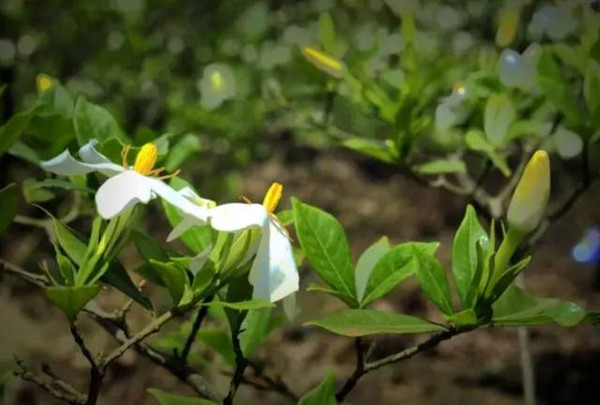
(370, 201)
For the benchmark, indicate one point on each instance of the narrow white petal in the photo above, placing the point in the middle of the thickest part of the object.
(121, 192)
(238, 217)
(180, 202)
(274, 274)
(65, 165)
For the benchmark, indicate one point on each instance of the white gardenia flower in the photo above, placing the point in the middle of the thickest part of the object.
(127, 185)
(273, 274)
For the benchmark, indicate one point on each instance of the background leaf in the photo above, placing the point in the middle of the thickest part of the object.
(8, 206)
(324, 394)
(164, 398)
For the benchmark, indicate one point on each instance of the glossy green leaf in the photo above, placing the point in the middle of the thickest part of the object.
(117, 276)
(8, 206)
(518, 308)
(328, 290)
(94, 122)
(71, 299)
(362, 322)
(433, 281)
(393, 268)
(324, 242)
(164, 398)
(366, 263)
(464, 255)
(324, 394)
(174, 278)
(13, 129)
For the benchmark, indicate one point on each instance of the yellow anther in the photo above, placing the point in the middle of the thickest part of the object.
(272, 197)
(43, 82)
(326, 63)
(145, 159)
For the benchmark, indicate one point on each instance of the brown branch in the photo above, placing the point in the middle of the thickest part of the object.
(200, 315)
(240, 366)
(97, 371)
(70, 396)
(359, 371)
(270, 383)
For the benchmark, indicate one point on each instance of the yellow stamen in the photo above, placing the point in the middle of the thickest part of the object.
(43, 82)
(145, 159)
(168, 176)
(272, 197)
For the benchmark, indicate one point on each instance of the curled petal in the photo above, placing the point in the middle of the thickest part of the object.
(65, 165)
(122, 191)
(186, 223)
(173, 197)
(238, 217)
(274, 274)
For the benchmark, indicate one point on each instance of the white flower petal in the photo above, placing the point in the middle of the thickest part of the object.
(238, 217)
(121, 192)
(65, 165)
(174, 198)
(274, 274)
(89, 154)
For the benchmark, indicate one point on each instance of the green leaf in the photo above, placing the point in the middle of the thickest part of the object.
(556, 87)
(164, 398)
(327, 33)
(174, 278)
(94, 122)
(197, 238)
(503, 281)
(241, 305)
(8, 206)
(327, 290)
(117, 276)
(433, 281)
(219, 341)
(442, 166)
(369, 147)
(33, 193)
(518, 308)
(366, 263)
(464, 255)
(12, 130)
(475, 140)
(73, 246)
(255, 329)
(591, 87)
(499, 114)
(71, 299)
(362, 322)
(393, 268)
(324, 394)
(324, 242)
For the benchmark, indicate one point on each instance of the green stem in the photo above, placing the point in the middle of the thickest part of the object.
(509, 245)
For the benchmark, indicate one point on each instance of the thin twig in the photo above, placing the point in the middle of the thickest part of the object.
(359, 371)
(152, 328)
(97, 371)
(33, 278)
(275, 383)
(74, 398)
(63, 385)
